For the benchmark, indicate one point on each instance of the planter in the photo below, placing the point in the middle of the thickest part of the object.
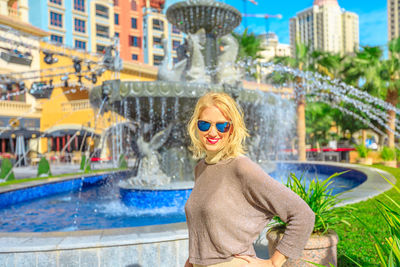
(366, 161)
(319, 249)
(390, 163)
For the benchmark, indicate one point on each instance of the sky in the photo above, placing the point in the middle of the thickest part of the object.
(372, 17)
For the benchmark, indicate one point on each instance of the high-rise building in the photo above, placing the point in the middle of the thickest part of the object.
(326, 27)
(393, 7)
(128, 21)
(155, 29)
(83, 24)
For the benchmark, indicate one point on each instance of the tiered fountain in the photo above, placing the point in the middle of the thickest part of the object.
(207, 62)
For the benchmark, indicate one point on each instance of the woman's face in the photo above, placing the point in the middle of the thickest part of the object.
(212, 139)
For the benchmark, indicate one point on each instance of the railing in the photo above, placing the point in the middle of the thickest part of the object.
(7, 107)
(75, 105)
(12, 12)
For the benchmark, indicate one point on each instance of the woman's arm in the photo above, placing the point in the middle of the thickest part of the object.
(188, 264)
(272, 197)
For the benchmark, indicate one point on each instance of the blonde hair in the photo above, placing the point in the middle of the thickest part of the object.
(231, 110)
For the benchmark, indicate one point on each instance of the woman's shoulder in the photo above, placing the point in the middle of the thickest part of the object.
(243, 163)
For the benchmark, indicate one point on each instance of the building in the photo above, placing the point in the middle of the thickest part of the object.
(272, 48)
(325, 27)
(82, 24)
(128, 23)
(155, 29)
(393, 7)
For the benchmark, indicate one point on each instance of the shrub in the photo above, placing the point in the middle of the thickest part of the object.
(6, 170)
(321, 201)
(85, 164)
(388, 154)
(122, 162)
(362, 151)
(43, 168)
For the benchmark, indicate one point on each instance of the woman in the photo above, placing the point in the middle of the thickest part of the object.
(233, 198)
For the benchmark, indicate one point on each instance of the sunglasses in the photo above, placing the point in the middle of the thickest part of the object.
(222, 127)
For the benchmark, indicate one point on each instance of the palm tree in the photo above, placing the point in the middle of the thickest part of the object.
(249, 49)
(301, 61)
(390, 75)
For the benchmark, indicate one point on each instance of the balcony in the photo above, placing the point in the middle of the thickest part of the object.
(14, 13)
(16, 108)
(75, 105)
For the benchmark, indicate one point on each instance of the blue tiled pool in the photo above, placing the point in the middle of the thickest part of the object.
(95, 203)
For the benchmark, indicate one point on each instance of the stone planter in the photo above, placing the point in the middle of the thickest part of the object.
(319, 249)
(366, 161)
(390, 163)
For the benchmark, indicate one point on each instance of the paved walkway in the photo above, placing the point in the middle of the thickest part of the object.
(56, 169)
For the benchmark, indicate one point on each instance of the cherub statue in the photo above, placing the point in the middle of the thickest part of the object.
(149, 172)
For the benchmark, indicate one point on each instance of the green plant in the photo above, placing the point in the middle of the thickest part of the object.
(388, 154)
(321, 201)
(388, 250)
(362, 151)
(43, 168)
(397, 154)
(85, 164)
(6, 170)
(122, 162)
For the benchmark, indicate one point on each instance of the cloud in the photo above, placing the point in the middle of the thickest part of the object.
(373, 27)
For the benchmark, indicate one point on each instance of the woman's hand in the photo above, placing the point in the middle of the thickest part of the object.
(255, 262)
(188, 264)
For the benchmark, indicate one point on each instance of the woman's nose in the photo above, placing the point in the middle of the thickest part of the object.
(213, 131)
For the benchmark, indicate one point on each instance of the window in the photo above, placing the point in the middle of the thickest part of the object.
(56, 38)
(134, 57)
(79, 5)
(80, 25)
(175, 30)
(55, 19)
(134, 41)
(116, 19)
(101, 31)
(175, 60)
(57, 2)
(80, 44)
(175, 44)
(100, 48)
(157, 42)
(101, 11)
(133, 5)
(158, 25)
(133, 23)
(157, 60)
(115, 2)
(117, 34)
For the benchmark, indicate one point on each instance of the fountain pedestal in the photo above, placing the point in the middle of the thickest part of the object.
(149, 198)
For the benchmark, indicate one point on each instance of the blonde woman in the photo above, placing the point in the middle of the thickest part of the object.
(233, 198)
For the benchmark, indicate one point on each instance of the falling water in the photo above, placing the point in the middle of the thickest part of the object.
(151, 116)
(163, 107)
(138, 115)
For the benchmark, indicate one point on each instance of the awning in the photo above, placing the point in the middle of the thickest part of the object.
(13, 133)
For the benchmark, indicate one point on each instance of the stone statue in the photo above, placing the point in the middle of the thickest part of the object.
(197, 70)
(149, 172)
(227, 72)
(174, 74)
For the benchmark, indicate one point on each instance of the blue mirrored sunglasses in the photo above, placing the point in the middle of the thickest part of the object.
(222, 127)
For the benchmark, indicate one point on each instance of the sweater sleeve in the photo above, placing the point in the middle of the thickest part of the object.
(273, 198)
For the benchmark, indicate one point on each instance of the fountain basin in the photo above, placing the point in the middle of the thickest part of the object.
(154, 245)
(143, 198)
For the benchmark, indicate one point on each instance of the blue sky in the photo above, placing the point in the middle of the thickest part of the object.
(372, 17)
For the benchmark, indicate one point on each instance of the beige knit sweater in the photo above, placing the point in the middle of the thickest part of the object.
(231, 202)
